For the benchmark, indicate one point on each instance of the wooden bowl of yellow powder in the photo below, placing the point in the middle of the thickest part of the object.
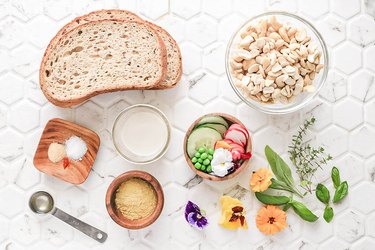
(134, 199)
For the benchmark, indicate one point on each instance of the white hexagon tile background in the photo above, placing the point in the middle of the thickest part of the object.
(345, 112)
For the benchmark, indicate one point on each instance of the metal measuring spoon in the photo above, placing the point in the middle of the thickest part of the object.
(42, 203)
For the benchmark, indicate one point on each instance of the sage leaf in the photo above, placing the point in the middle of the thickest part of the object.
(335, 175)
(328, 214)
(322, 193)
(286, 207)
(271, 199)
(280, 169)
(279, 185)
(303, 211)
(341, 192)
(283, 169)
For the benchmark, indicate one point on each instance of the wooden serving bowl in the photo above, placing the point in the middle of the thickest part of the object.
(59, 130)
(230, 119)
(117, 216)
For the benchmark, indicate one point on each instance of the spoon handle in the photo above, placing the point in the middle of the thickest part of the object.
(85, 228)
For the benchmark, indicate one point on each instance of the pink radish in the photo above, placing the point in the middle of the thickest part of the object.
(236, 136)
(229, 141)
(234, 144)
(236, 155)
(237, 147)
(242, 128)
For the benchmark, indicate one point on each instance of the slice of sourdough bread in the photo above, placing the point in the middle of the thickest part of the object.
(92, 16)
(102, 56)
(174, 62)
(101, 15)
(174, 59)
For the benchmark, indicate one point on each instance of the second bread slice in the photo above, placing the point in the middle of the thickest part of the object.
(103, 56)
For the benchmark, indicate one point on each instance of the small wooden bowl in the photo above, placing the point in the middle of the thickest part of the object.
(117, 215)
(59, 130)
(230, 119)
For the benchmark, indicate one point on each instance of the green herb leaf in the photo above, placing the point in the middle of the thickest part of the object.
(286, 207)
(306, 158)
(304, 183)
(280, 169)
(279, 185)
(284, 169)
(322, 193)
(303, 211)
(328, 214)
(271, 199)
(335, 175)
(341, 192)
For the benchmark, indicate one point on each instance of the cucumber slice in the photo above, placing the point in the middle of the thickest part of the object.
(218, 127)
(201, 137)
(213, 119)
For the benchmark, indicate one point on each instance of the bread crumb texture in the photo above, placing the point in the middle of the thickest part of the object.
(103, 56)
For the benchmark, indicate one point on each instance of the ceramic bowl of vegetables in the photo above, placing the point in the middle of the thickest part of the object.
(217, 146)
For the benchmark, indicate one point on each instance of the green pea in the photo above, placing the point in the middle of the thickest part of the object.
(204, 156)
(201, 150)
(203, 168)
(198, 165)
(209, 157)
(206, 162)
(209, 169)
(211, 151)
(194, 160)
(197, 154)
(200, 160)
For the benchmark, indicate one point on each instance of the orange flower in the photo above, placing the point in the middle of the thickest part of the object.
(232, 213)
(271, 220)
(261, 180)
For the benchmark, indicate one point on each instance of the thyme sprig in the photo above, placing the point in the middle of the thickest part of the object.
(306, 158)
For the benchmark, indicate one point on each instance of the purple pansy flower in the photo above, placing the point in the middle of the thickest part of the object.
(194, 216)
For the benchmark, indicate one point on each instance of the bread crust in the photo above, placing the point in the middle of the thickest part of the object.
(73, 102)
(179, 74)
(78, 19)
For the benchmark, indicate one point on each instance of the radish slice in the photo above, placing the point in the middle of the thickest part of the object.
(236, 155)
(237, 147)
(229, 141)
(236, 136)
(242, 128)
(239, 150)
(237, 129)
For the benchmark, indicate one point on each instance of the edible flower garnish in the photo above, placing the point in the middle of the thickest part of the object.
(271, 220)
(261, 180)
(232, 213)
(221, 162)
(222, 144)
(195, 216)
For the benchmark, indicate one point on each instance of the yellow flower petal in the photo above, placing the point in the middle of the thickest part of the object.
(227, 203)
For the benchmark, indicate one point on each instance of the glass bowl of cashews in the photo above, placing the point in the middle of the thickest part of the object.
(277, 62)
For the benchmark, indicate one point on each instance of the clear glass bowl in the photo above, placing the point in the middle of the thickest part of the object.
(302, 99)
(141, 134)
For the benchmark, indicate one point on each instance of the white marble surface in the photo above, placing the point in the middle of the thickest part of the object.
(345, 111)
